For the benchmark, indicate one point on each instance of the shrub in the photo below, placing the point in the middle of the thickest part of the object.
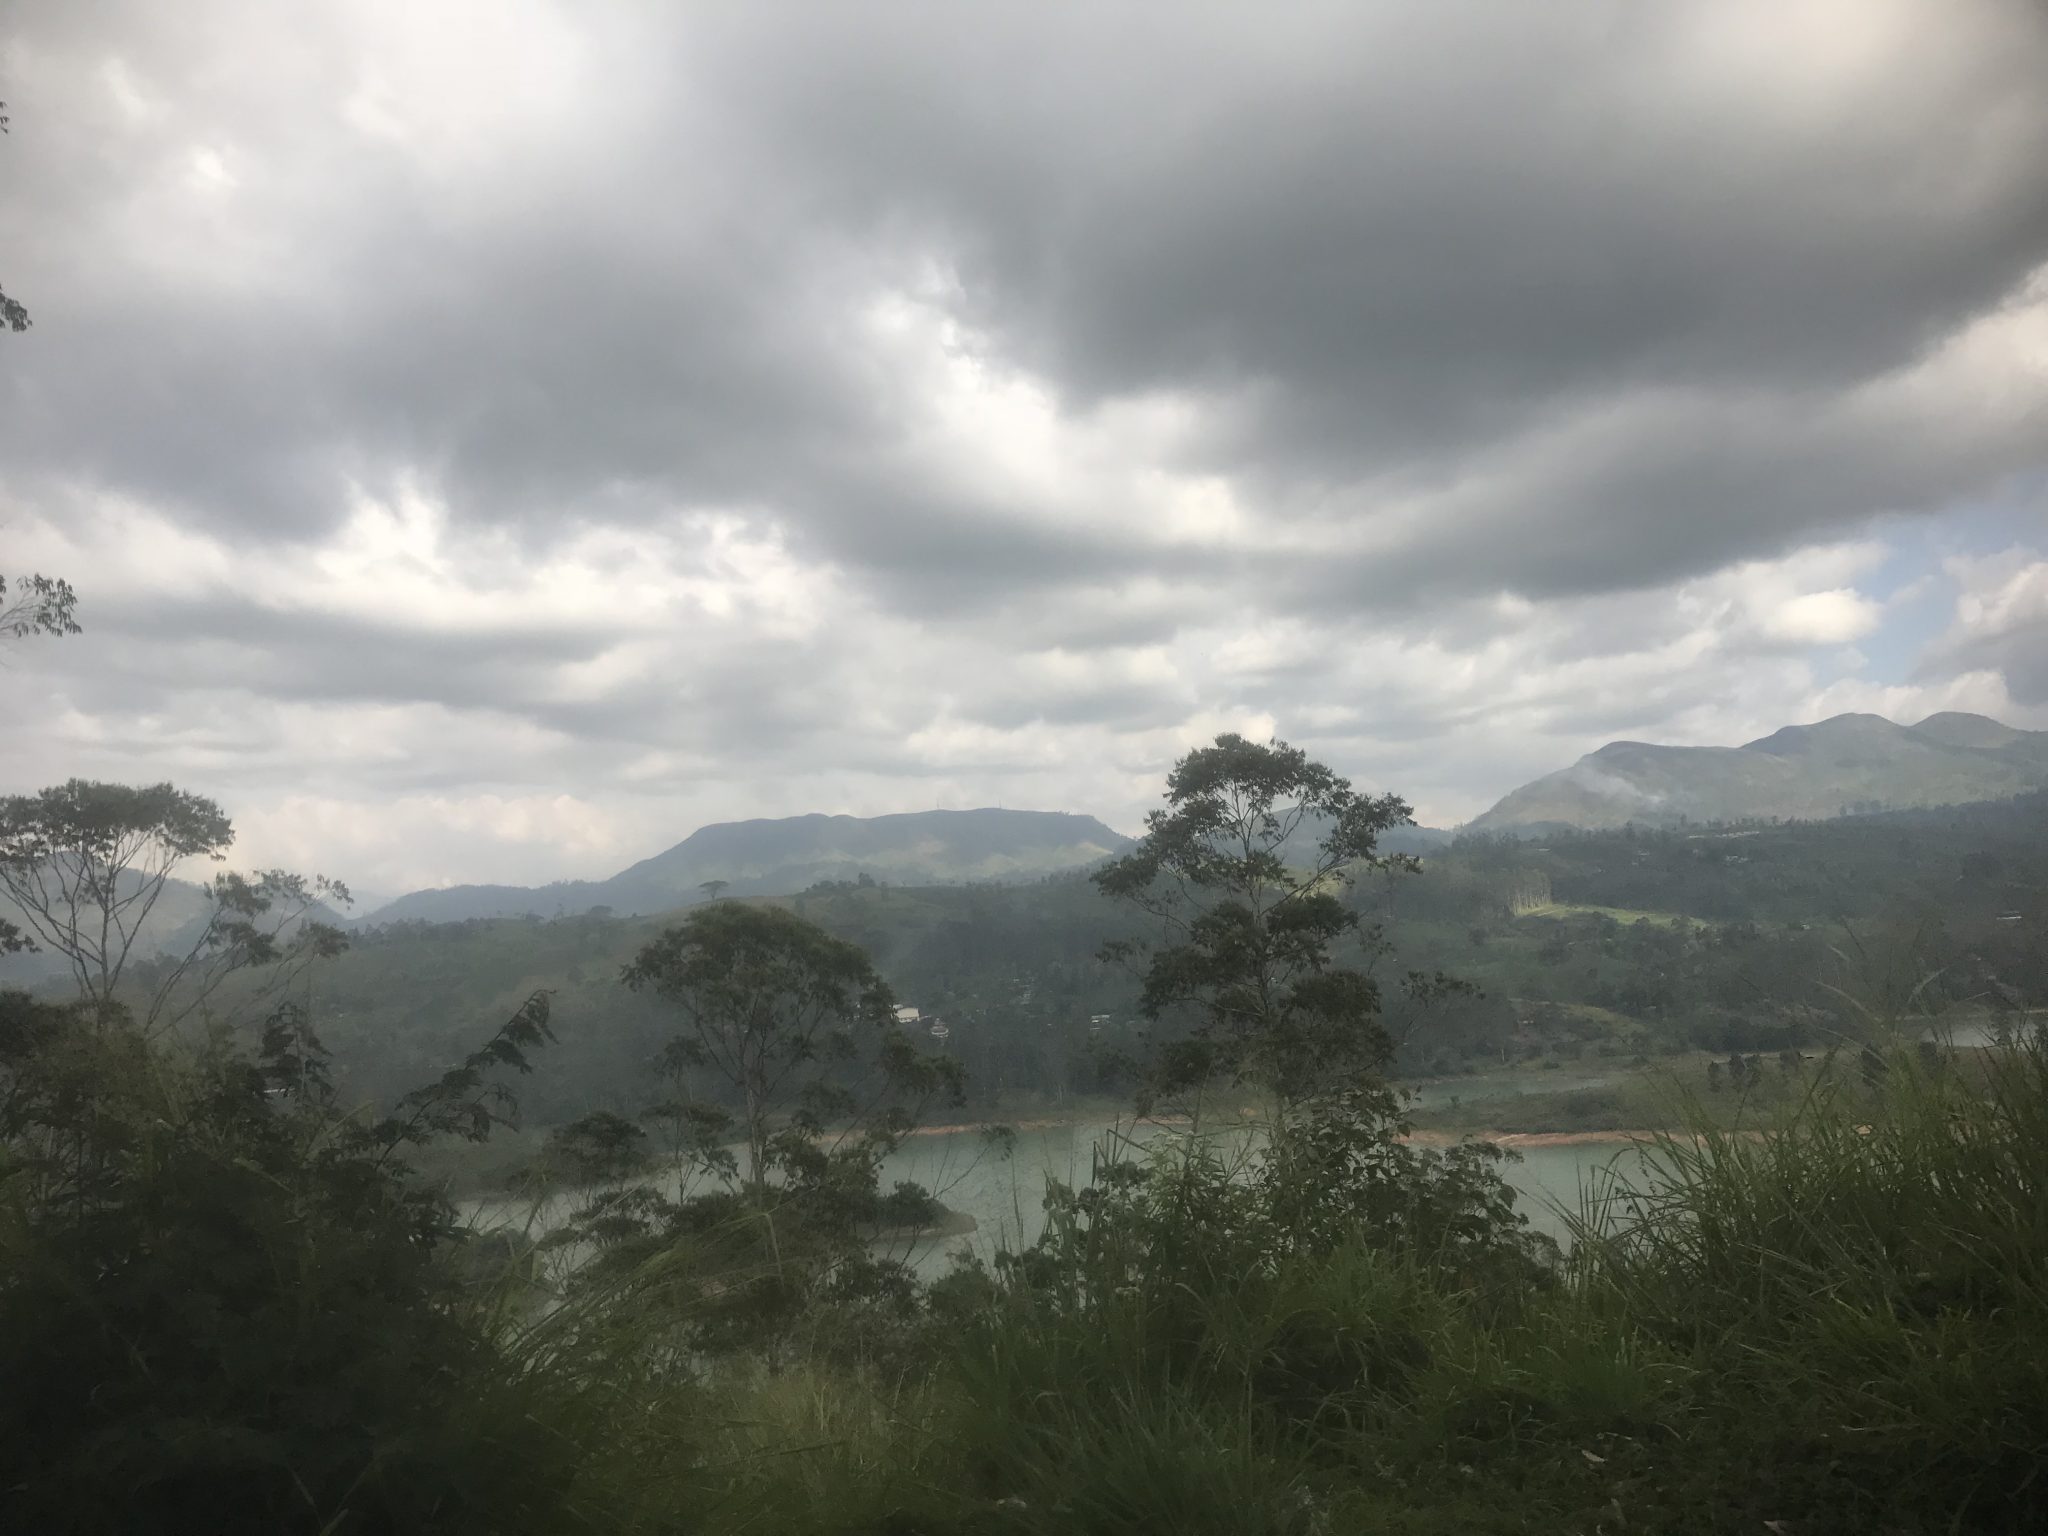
(222, 1302)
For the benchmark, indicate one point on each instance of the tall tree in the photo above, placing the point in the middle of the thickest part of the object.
(791, 1024)
(1244, 870)
(87, 865)
(41, 605)
(795, 1028)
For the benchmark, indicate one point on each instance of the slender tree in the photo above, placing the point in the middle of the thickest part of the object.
(789, 1021)
(1244, 870)
(1269, 968)
(87, 865)
(795, 1028)
(40, 605)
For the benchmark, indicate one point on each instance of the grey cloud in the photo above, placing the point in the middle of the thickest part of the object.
(1414, 235)
(1684, 492)
(1122, 706)
(2025, 665)
(308, 656)
(2015, 646)
(1534, 299)
(1378, 247)
(931, 554)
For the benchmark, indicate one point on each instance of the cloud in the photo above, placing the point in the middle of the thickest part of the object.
(671, 414)
(2001, 623)
(1825, 618)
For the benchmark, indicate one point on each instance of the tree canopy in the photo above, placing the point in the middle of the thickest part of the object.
(87, 864)
(766, 998)
(40, 605)
(1244, 871)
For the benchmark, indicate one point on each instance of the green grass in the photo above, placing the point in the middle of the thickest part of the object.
(1835, 1318)
(1865, 1289)
(1669, 1095)
(1614, 1023)
(1607, 1107)
(1558, 909)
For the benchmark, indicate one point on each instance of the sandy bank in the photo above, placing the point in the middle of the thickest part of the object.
(1428, 1138)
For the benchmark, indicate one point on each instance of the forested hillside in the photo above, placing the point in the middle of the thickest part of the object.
(1609, 945)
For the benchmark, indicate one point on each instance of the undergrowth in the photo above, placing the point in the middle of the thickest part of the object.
(1833, 1318)
(1837, 1321)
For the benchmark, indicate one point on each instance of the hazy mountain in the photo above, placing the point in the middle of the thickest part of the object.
(178, 915)
(755, 858)
(176, 922)
(786, 854)
(1415, 840)
(1848, 763)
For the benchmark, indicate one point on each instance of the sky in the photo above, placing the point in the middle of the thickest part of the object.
(491, 439)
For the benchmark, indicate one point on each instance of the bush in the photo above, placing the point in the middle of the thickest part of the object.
(223, 1305)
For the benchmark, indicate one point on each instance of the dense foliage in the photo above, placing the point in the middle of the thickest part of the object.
(773, 1200)
(1717, 955)
(1243, 871)
(226, 1305)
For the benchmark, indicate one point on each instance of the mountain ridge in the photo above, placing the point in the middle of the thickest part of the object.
(764, 856)
(1799, 772)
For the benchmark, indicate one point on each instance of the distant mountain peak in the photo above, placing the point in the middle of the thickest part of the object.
(1846, 762)
(1955, 728)
(781, 855)
(1833, 731)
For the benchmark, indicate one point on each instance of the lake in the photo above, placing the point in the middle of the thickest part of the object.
(1004, 1190)
(1005, 1193)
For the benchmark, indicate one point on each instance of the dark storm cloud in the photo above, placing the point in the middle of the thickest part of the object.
(1376, 243)
(1390, 238)
(302, 656)
(1692, 486)
(757, 700)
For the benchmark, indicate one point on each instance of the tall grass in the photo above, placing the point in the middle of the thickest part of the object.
(1833, 1320)
(1862, 1287)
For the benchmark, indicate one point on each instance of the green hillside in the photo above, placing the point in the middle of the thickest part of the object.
(1845, 764)
(1593, 947)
